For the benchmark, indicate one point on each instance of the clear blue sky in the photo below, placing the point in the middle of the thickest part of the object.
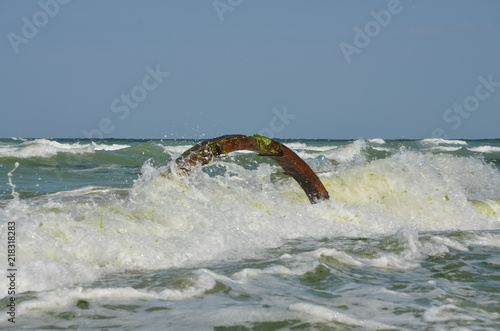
(289, 69)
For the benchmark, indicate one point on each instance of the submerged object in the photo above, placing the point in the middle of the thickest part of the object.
(203, 152)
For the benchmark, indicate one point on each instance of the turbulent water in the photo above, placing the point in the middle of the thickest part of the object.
(107, 236)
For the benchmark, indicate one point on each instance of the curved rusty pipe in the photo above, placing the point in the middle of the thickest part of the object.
(203, 152)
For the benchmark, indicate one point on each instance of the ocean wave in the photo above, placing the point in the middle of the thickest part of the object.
(349, 153)
(17, 139)
(306, 151)
(48, 148)
(109, 148)
(441, 141)
(485, 149)
(162, 221)
(145, 249)
(175, 150)
(382, 149)
(446, 148)
(378, 141)
(297, 146)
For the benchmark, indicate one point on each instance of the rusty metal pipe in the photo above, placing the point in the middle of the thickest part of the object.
(203, 152)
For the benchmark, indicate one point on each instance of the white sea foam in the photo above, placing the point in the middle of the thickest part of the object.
(175, 151)
(419, 188)
(487, 239)
(103, 147)
(439, 141)
(446, 148)
(349, 153)
(485, 149)
(48, 148)
(446, 313)
(65, 297)
(382, 149)
(297, 146)
(378, 141)
(329, 314)
(71, 239)
(311, 152)
(329, 254)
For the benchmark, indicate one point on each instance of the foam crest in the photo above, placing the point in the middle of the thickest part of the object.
(331, 254)
(48, 148)
(109, 148)
(439, 141)
(349, 153)
(66, 298)
(405, 254)
(175, 151)
(331, 315)
(320, 164)
(378, 141)
(312, 152)
(486, 239)
(300, 146)
(427, 191)
(485, 149)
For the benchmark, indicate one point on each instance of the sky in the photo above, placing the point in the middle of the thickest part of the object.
(318, 69)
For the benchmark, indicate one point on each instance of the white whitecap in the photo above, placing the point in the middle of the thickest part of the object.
(439, 141)
(379, 141)
(329, 314)
(485, 149)
(47, 148)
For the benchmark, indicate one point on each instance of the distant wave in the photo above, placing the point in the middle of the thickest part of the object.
(377, 141)
(485, 149)
(348, 153)
(446, 148)
(296, 145)
(175, 150)
(48, 148)
(440, 141)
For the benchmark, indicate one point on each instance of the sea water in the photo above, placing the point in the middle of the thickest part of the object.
(107, 236)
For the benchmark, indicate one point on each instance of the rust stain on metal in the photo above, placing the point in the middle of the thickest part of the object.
(203, 152)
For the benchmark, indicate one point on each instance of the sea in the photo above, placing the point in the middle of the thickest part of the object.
(105, 235)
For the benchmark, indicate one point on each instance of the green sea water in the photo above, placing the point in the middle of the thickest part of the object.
(410, 238)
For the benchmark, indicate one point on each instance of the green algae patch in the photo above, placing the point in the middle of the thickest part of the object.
(266, 145)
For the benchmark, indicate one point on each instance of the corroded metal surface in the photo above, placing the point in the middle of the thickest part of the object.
(203, 152)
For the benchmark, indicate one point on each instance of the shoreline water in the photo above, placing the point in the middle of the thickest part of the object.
(409, 239)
